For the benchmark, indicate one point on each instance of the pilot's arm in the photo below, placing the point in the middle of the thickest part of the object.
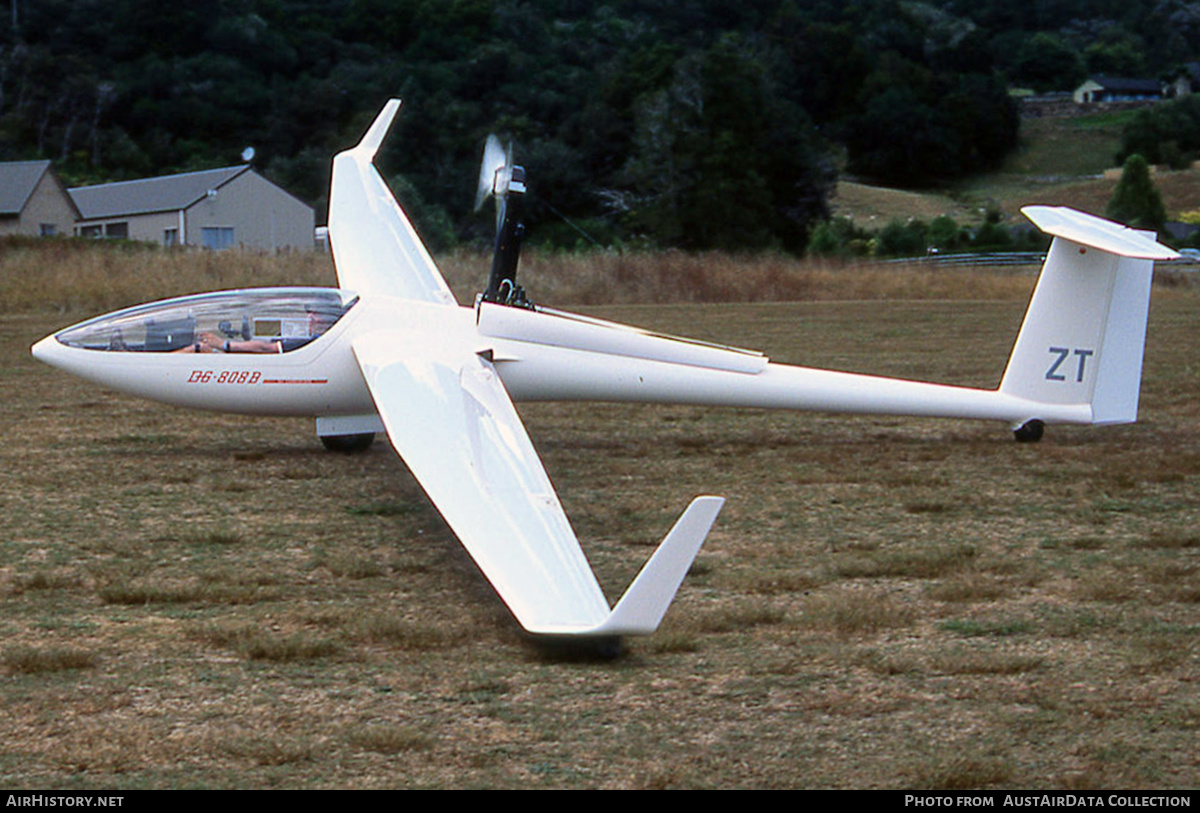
(210, 343)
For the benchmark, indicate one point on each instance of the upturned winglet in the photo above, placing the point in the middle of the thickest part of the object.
(644, 604)
(372, 139)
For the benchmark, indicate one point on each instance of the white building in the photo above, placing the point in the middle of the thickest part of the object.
(33, 201)
(216, 208)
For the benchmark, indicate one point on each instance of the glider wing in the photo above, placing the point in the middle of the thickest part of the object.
(448, 415)
(375, 248)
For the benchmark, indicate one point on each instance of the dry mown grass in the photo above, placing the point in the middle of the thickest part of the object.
(204, 600)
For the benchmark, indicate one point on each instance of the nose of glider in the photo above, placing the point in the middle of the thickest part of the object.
(48, 350)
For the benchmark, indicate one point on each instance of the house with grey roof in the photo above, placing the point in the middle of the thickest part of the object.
(217, 208)
(33, 201)
(1099, 89)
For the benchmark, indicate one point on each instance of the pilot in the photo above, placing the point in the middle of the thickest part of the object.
(318, 323)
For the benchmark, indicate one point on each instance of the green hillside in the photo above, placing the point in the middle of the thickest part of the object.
(1060, 161)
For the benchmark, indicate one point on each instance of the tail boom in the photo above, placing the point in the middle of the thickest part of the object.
(1077, 358)
(566, 374)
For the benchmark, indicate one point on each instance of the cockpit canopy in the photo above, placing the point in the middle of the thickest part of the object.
(290, 316)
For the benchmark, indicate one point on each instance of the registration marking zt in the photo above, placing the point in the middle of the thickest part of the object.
(1061, 354)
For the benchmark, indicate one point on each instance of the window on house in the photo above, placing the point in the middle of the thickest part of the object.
(48, 229)
(217, 237)
(170, 237)
(91, 231)
(117, 231)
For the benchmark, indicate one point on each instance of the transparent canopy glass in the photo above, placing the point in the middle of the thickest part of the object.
(285, 317)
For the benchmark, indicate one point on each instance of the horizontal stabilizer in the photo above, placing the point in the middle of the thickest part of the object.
(1096, 232)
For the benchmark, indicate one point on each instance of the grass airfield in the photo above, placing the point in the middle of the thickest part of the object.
(198, 600)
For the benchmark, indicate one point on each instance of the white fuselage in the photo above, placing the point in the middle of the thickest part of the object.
(540, 356)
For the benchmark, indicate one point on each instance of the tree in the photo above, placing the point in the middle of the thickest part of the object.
(944, 234)
(1046, 63)
(1166, 133)
(838, 237)
(721, 158)
(898, 139)
(900, 239)
(913, 134)
(1135, 201)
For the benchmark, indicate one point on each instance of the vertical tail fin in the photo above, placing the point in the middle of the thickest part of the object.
(1085, 330)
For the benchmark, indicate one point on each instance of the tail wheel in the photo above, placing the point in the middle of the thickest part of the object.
(348, 444)
(1029, 432)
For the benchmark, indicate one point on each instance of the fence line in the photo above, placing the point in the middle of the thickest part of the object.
(974, 260)
(1001, 259)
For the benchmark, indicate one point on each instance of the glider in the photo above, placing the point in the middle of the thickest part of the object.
(391, 350)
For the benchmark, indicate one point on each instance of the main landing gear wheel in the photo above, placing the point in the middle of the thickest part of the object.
(348, 444)
(1029, 432)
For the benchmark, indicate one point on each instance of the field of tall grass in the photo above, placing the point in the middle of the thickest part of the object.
(72, 276)
(75, 275)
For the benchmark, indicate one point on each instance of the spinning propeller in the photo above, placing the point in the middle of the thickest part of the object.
(494, 173)
(499, 178)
